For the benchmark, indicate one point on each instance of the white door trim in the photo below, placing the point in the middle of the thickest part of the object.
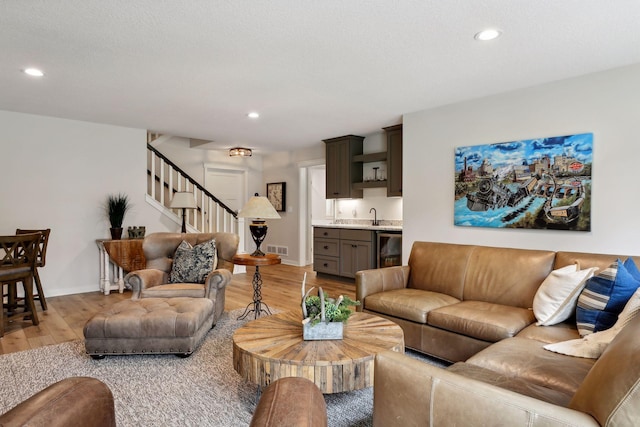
(305, 202)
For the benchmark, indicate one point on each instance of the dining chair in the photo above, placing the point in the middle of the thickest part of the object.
(41, 257)
(18, 256)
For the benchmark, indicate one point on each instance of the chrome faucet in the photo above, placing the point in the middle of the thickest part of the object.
(375, 216)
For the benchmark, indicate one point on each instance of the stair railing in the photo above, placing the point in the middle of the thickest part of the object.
(164, 179)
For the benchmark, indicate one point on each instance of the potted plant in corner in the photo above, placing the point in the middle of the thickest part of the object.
(324, 317)
(117, 207)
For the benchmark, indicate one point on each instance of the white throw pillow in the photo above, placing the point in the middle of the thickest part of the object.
(556, 299)
(592, 345)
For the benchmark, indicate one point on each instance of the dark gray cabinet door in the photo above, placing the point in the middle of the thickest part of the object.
(341, 171)
(355, 256)
(394, 160)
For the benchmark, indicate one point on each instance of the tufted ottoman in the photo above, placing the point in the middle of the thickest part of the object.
(149, 326)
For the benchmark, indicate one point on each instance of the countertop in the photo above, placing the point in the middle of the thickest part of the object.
(362, 227)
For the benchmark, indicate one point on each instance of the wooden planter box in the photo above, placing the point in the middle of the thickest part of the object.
(322, 331)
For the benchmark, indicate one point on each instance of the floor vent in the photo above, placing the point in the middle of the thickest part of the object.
(279, 250)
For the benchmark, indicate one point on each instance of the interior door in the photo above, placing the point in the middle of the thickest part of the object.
(227, 185)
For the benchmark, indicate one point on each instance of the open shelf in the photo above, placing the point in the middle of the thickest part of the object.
(369, 184)
(370, 157)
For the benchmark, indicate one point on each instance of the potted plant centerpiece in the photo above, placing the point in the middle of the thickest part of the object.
(324, 317)
(117, 206)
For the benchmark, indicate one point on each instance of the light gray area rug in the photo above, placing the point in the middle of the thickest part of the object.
(164, 390)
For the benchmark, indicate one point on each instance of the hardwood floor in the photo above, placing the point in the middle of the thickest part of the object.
(66, 315)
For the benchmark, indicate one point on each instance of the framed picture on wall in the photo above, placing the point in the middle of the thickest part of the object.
(542, 183)
(277, 195)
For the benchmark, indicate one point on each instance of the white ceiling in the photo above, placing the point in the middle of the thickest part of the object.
(314, 69)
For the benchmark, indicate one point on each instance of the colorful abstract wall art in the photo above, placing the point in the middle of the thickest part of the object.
(542, 183)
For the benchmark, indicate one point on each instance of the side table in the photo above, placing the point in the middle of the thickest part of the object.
(125, 255)
(257, 306)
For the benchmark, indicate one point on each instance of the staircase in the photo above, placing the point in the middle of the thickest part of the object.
(164, 178)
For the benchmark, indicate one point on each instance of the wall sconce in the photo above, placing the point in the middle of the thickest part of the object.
(260, 208)
(240, 152)
(183, 200)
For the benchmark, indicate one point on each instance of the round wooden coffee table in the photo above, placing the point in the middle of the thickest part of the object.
(272, 347)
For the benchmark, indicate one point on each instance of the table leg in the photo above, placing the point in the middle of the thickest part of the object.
(107, 274)
(120, 280)
(258, 306)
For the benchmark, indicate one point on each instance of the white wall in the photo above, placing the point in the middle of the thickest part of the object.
(57, 174)
(605, 103)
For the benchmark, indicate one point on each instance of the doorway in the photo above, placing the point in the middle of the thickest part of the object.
(315, 208)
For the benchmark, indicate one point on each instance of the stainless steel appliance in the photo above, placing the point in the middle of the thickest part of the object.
(389, 248)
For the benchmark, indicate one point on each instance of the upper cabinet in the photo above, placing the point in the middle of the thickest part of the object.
(342, 172)
(394, 160)
(346, 162)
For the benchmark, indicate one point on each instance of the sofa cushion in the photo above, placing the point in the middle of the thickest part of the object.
(192, 264)
(506, 276)
(527, 359)
(556, 298)
(409, 304)
(481, 320)
(518, 385)
(439, 267)
(604, 297)
(549, 334)
(593, 345)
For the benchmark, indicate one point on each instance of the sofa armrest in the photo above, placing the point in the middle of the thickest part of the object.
(144, 279)
(216, 280)
(72, 402)
(408, 392)
(214, 289)
(370, 282)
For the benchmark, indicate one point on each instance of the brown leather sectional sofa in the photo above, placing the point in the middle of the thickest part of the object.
(472, 304)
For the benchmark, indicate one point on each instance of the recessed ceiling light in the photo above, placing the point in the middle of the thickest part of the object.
(253, 115)
(488, 34)
(34, 72)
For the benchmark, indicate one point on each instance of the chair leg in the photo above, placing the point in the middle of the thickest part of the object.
(2, 313)
(12, 297)
(40, 296)
(28, 299)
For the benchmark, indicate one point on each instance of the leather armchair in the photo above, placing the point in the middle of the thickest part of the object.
(290, 401)
(72, 402)
(159, 249)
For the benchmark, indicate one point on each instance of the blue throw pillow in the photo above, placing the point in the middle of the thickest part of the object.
(605, 295)
(632, 268)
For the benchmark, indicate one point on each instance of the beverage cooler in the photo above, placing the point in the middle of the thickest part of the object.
(389, 248)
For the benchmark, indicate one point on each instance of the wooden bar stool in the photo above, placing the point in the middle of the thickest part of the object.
(18, 256)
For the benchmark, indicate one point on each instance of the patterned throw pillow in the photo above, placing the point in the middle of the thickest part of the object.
(193, 264)
(604, 297)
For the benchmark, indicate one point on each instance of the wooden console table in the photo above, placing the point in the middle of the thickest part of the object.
(123, 255)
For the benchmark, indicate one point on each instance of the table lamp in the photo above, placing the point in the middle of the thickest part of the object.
(259, 208)
(183, 200)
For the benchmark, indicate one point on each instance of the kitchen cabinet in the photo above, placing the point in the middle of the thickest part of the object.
(326, 250)
(341, 171)
(394, 160)
(343, 252)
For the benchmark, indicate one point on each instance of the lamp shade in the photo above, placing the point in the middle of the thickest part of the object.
(183, 199)
(258, 207)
